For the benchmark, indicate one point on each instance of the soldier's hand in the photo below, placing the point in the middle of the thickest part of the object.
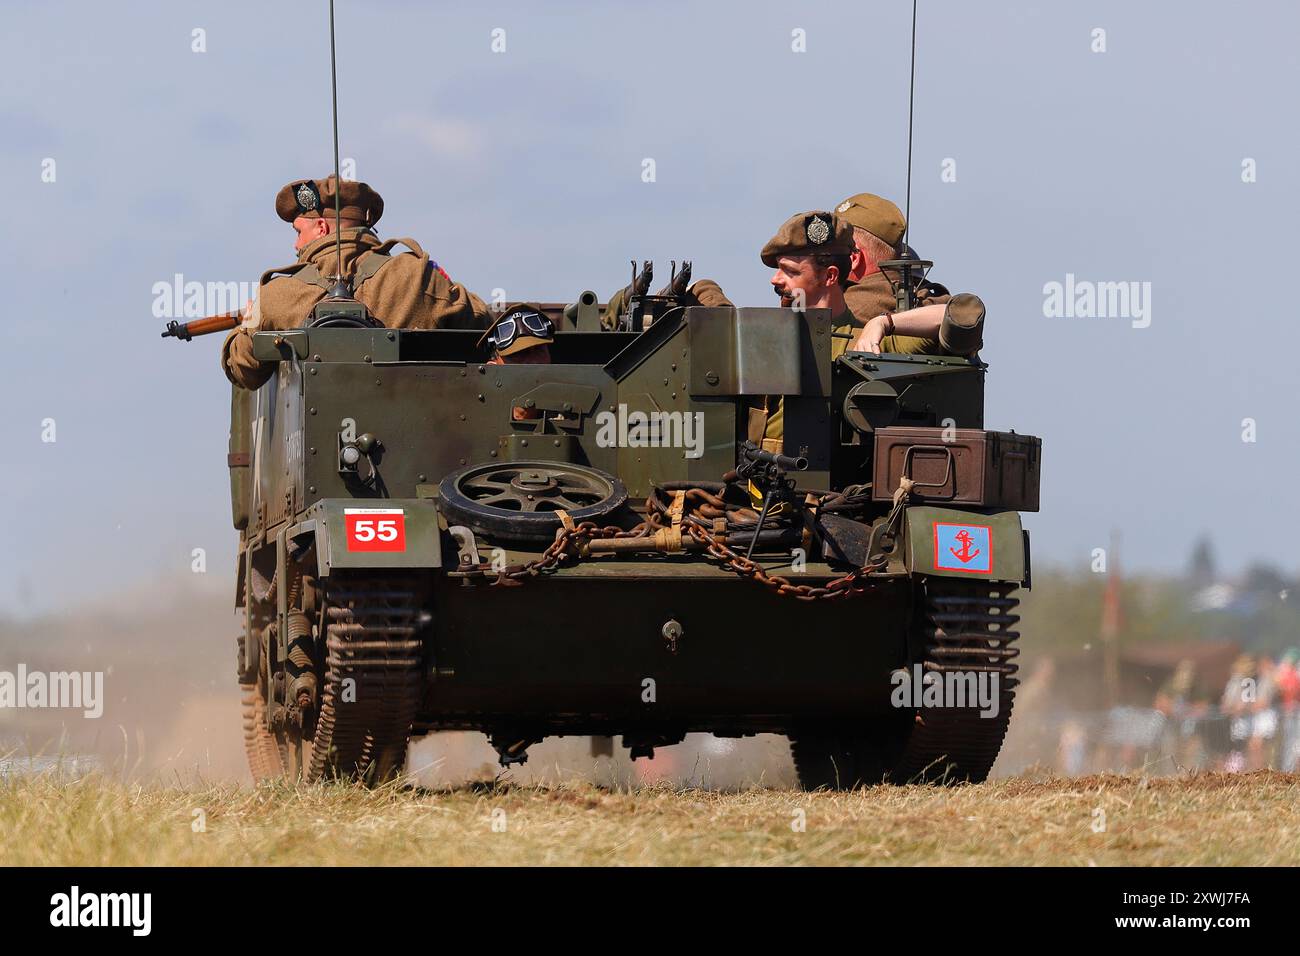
(872, 334)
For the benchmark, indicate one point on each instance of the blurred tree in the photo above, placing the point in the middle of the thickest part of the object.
(1265, 580)
(1201, 573)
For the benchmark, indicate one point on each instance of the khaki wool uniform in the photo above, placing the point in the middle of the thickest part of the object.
(405, 291)
(768, 427)
(873, 296)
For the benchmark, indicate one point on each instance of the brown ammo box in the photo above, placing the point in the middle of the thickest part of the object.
(977, 468)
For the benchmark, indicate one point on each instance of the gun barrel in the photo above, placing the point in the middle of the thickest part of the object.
(787, 463)
(641, 282)
(680, 282)
(784, 462)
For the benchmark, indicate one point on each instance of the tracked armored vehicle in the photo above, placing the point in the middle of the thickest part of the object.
(413, 558)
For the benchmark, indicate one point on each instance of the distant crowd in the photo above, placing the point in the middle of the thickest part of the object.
(1253, 724)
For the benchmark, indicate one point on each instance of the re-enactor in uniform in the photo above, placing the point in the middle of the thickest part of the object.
(403, 291)
(813, 255)
(878, 228)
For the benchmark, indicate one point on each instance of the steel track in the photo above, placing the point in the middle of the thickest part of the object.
(373, 678)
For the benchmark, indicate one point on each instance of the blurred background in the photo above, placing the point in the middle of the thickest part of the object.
(146, 141)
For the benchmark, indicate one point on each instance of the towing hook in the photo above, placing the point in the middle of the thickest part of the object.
(672, 632)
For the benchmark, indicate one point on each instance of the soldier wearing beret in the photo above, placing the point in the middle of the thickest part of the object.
(813, 255)
(404, 291)
(878, 229)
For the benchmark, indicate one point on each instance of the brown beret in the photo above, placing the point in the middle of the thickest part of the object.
(808, 234)
(312, 198)
(878, 216)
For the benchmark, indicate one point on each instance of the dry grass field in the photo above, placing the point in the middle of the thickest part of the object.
(1237, 820)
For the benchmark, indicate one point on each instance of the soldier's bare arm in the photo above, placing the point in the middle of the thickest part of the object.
(922, 323)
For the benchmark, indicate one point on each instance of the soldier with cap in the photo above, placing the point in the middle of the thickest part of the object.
(814, 254)
(811, 254)
(521, 335)
(408, 290)
(878, 229)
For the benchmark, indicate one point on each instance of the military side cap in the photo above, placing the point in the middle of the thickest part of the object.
(878, 216)
(808, 234)
(312, 198)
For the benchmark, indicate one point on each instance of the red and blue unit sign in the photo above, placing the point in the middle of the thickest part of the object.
(963, 547)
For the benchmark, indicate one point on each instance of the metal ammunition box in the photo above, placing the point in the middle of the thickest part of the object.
(963, 466)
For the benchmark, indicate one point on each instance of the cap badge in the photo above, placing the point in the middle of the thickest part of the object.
(818, 230)
(308, 198)
(844, 206)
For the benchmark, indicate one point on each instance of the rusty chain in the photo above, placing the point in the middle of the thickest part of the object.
(565, 546)
(570, 537)
(841, 587)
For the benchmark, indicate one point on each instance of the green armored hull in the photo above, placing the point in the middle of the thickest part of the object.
(430, 542)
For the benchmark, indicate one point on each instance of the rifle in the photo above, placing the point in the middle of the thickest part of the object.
(205, 326)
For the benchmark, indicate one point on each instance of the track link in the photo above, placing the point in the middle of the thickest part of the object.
(964, 627)
(266, 757)
(967, 627)
(373, 681)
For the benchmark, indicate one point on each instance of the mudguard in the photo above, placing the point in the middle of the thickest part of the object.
(944, 542)
(371, 533)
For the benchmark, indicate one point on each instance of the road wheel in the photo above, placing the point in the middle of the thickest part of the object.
(518, 500)
(828, 758)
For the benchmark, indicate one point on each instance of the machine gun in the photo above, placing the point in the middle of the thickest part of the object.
(633, 293)
(205, 326)
(680, 282)
(766, 471)
(640, 309)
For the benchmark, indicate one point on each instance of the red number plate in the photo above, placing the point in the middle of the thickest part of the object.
(375, 529)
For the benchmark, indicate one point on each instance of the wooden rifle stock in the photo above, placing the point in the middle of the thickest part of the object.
(205, 326)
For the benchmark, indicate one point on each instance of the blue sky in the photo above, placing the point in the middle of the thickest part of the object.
(522, 170)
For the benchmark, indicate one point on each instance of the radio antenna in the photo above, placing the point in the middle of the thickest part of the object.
(341, 289)
(911, 100)
(907, 264)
